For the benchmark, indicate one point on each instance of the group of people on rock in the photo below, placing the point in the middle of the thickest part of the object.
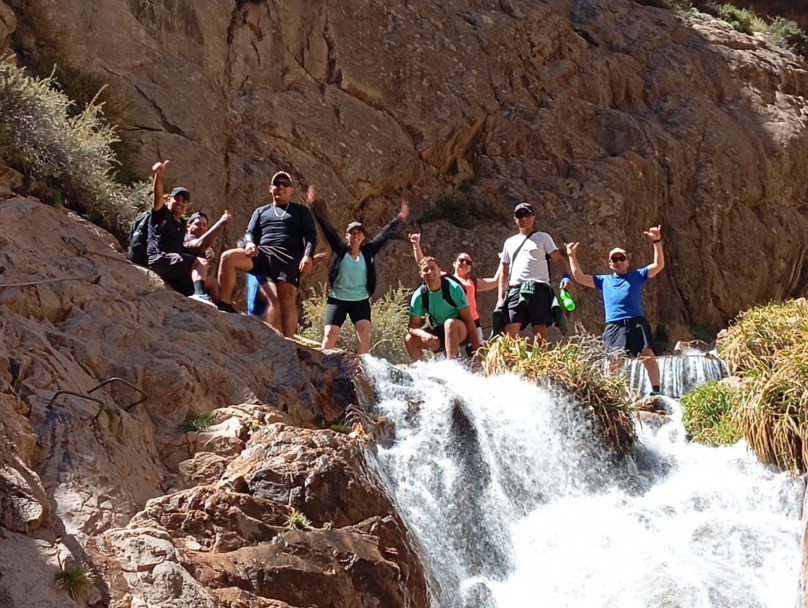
(279, 246)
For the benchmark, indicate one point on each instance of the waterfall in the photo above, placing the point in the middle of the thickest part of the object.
(515, 503)
(678, 373)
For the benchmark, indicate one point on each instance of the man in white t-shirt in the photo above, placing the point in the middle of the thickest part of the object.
(524, 276)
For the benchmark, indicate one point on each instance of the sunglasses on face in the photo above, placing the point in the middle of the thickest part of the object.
(522, 214)
(464, 261)
(282, 184)
(618, 258)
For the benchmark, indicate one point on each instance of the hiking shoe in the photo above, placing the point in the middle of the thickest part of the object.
(225, 307)
(655, 394)
(202, 297)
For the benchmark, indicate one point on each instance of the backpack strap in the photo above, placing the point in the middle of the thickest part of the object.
(446, 294)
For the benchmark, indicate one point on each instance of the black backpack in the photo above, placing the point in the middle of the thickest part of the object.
(139, 239)
(445, 293)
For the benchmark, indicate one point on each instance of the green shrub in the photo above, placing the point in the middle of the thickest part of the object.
(64, 150)
(739, 19)
(463, 209)
(576, 366)
(786, 33)
(704, 332)
(707, 413)
(76, 580)
(297, 519)
(199, 422)
(388, 330)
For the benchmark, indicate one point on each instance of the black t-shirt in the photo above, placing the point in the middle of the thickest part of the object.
(166, 235)
(286, 226)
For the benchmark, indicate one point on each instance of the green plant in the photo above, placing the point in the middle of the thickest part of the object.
(199, 422)
(739, 19)
(329, 525)
(387, 332)
(707, 413)
(76, 580)
(341, 427)
(576, 366)
(66, 150)
(704, 332)
(786, 33)
(297, 519)
(462, 208)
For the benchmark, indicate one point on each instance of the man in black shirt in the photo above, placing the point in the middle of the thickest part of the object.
(279, 245)
(168, 255)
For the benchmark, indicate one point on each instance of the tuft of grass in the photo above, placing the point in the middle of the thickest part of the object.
(787, 34)
(76, 580)
(66, 149)
(707, 413)
(388, 330)
(341, 427)
(199, 422)
(298, 520)
(576, 366)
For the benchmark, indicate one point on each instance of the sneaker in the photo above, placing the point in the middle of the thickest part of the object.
(225, 307)
(202, 297)
(655, 394)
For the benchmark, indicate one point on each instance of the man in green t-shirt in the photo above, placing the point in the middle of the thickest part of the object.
(448, 313)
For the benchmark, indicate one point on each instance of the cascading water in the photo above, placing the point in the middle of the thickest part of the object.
(516, 504)
(679, 373)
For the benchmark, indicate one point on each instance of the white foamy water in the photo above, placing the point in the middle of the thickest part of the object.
(515, 505)
(678, 374)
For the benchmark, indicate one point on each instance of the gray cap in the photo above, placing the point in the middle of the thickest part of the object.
(196, 215)
(524, 207)
(353, 225)
(181, 190)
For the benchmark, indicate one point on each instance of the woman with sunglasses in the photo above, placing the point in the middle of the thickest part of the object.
(627, 330)
(461, 272)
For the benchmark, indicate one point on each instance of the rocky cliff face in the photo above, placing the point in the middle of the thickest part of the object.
(166, 517)
(609, 115)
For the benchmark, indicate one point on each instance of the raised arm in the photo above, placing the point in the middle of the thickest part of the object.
(385, 233)
(577, 272)
(330, 233)
(654, 233)
(157, 187)
(204, 241)
(415, 239)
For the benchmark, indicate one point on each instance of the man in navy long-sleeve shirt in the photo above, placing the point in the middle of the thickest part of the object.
(279, 245)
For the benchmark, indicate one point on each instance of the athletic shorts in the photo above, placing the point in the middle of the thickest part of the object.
(440, 331)
(538, 311)
(276, 264)
(336, 311)
(174, 269)
(632, 335)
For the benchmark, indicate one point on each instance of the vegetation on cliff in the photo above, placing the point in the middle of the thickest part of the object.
(766, 350)
(68, 155)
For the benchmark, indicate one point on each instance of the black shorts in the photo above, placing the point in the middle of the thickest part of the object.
(440, 331)
(538, 311)
(276, 264)
(336, 311)
(174, 269)
(632, 335)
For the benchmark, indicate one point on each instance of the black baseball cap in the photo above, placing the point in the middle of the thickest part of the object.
(524, 207)
(181, 190)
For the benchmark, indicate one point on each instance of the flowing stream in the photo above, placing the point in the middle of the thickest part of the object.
(515, 504)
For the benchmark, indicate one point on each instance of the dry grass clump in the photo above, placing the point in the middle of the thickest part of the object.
(768, 350)
(68, 152)
(576, 366)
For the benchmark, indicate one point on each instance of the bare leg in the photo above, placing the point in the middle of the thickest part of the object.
(287, 296)
(362, 336)
(199, 271)
(273, 311)
(330, 335)
(232, 261)
(212, 287)
(455, 332)
(651, 366)
(540, 331)
(414, 347)
(512, 329)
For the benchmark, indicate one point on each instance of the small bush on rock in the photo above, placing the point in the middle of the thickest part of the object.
(707, 413)
(76, 580)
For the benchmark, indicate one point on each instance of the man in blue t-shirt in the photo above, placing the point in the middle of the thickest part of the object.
(449, 320)
(627, 330)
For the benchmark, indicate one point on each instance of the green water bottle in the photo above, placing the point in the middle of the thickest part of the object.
(566, 299)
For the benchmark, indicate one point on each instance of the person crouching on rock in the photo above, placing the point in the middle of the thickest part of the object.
(627, 330)
(444, 304)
